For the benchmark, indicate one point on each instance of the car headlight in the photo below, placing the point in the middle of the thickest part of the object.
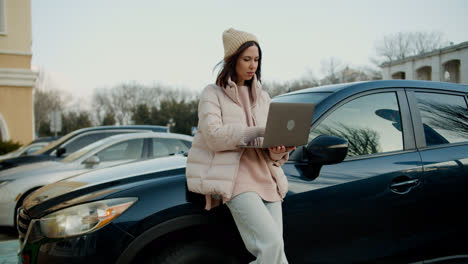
(83, 218)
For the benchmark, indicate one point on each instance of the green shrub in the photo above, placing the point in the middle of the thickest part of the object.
(8, 146)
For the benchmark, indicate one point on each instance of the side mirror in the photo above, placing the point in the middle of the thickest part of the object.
(91, 161)
(60, 152)
(324, 150)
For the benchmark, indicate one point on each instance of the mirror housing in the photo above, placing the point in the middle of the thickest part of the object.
(326, 150)
(60, 152)
(91, 161)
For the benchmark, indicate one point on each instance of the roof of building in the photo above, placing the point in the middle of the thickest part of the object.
(447, 49)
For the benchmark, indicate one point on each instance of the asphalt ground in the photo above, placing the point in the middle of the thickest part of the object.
(8, 246)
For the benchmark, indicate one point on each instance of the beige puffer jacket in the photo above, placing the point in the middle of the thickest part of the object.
(213, 160)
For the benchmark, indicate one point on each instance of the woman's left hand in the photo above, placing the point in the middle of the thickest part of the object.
(280, 149)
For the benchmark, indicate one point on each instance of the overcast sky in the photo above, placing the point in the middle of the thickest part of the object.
(90, 44)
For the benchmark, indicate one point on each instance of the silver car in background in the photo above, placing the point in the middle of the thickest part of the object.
(16, 183)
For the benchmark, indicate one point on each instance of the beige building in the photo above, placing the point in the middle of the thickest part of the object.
(16, 77)
(449, 64)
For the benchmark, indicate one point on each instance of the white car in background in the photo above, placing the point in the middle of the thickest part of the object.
(29, 149)
(26, 150)
(18, 182)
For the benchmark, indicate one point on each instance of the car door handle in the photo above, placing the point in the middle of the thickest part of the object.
(403, 187)
(409, 183)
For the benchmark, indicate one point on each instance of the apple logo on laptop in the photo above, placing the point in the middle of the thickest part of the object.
(291, 125)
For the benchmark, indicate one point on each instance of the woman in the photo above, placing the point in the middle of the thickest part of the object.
(250, 181)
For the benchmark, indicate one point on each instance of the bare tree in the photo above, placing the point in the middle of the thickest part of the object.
(330, 68)
(276, 88)
(102, 106)
(428, 41)
(362, 141)
(122, 100)
(405, 44)
(47, 98)
(452, 118)
(372, 73)
(349, 74)
(337, 72)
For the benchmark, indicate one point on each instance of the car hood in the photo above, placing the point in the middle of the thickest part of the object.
(91, 185)
(6, 156)
(28, 170)
(17, 161)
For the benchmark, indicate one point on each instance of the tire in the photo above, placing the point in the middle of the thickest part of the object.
(194, 253)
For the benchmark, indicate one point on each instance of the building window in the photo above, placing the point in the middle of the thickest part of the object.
(452, 71)
(399, 75)
(3, 27)
(424, 73)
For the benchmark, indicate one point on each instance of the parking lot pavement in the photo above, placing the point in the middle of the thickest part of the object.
(8, 251)
(8, 246)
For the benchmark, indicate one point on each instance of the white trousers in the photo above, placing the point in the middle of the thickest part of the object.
(260, 224)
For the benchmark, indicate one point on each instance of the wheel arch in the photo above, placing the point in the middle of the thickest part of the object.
(159, 231)
(20, 201)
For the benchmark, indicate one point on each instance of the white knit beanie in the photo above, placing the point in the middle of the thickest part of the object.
(233, 39)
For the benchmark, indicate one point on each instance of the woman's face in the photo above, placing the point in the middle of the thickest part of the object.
(247, 64)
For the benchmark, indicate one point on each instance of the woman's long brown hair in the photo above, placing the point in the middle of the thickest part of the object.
(229, 66)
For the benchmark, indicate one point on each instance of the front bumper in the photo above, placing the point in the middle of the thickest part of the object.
(102, 246)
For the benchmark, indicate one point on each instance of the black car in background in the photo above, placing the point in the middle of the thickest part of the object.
(382, 180)
(74, 141)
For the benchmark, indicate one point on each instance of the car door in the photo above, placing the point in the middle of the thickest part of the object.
(366, 207)
(441, 119)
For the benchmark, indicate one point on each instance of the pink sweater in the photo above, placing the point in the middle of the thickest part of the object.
(253, 174)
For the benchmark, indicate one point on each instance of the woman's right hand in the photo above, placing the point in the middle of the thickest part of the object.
(280, 149)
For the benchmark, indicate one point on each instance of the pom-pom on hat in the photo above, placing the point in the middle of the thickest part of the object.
(233, 39)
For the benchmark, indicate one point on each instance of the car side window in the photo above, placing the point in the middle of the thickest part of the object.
(127, 150)
(371, 124)
(85, 140)
(167, 146)
(444, 117)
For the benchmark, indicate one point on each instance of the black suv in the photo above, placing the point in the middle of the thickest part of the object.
(399, 195)
(74, 141)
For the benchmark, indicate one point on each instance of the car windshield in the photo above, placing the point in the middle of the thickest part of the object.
(312, 97)
(54, 144)
(26, 150)
(81, 152)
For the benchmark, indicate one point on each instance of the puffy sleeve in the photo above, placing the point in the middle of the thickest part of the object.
(278, 159)
(218, 136)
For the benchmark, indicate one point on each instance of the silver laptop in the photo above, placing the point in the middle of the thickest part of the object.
(288, 124)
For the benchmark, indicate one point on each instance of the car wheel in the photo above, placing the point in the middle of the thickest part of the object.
(194, 253)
